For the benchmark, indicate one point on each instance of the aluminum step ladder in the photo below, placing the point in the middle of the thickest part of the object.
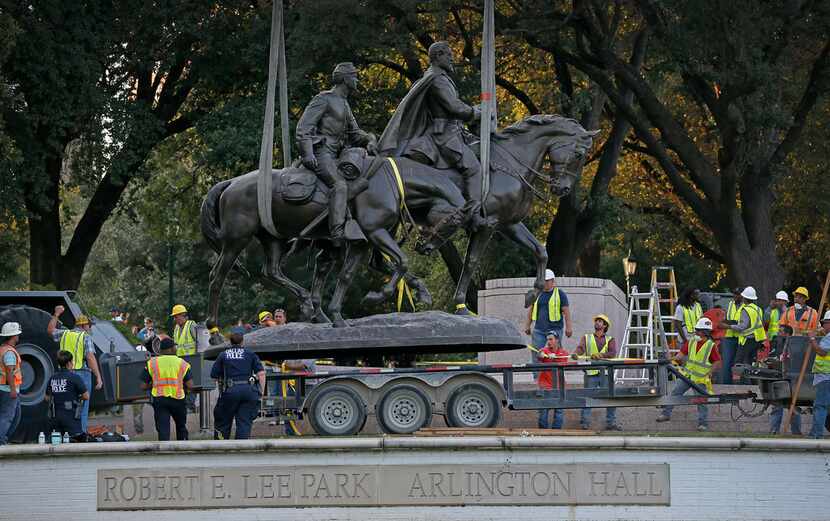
(662, 278)
(644, 337)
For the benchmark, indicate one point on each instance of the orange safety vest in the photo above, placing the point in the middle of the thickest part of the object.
(18, 374)
(167, 372)
(808, 322)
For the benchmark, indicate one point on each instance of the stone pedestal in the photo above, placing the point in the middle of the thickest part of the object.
(504, 298)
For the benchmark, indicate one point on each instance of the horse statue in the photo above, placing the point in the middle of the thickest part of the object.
(399, 187)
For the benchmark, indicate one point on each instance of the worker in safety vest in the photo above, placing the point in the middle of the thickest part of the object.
(241, 379)
(687, 313)
(548, 313)
(597, 346)
(821, 376)
(552, 353)
(750, 328)
(729, 343)
(700, 358)
(775, 313)
(184, 332)
(11, 378)
(78, 341)
(168, 377)
(801, 317)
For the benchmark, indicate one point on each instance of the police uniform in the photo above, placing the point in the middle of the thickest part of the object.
(235, 368)
(167, 375)
(66, 388)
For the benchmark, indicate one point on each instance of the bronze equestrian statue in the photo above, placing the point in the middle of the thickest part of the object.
(326, 127)
(428, 127)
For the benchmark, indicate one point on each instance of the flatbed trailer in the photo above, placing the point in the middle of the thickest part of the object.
(337, 403)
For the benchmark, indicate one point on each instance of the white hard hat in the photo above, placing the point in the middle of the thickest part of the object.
(782, 295)
(749, 293)
(11, 329)
(704, 323)
(826, 316)
(549, 274)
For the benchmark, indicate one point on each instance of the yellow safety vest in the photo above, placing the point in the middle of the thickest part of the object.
(691, 316)
(822, 363)
(591, 348)
(698, 368)
(774, 319)
(554, 307)
(733, 312)
(185, 343)
(73, 342)
(167, 372)
(756, 324)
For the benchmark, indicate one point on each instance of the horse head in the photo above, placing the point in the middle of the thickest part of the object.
(564, 141)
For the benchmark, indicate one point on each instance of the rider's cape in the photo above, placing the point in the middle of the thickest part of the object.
(410, 120)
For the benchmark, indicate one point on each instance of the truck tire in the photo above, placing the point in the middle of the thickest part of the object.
(403, 409)
(337, 411)
(37, 352)
(473, 406)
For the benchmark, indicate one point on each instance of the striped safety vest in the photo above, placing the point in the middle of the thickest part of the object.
(592, 348)
(185, 342)
(774, 322)
(167, 372)
(698, 368)
(691, 316)
(756, 324)
(733, 313)
(554, 307)
(73, 342)
(822, 363)
(18, 374)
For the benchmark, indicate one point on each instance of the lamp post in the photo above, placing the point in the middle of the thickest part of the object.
(630, 268)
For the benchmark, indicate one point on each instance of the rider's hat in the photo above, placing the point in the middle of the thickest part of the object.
(344, 68)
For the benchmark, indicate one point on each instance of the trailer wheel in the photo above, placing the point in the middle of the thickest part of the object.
(337, 411)
(473, 406)
(404, 409)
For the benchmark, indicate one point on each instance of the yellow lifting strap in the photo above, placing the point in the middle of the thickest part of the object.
(403, 286)
(399, 182)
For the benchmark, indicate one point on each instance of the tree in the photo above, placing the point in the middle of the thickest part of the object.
(729, 89)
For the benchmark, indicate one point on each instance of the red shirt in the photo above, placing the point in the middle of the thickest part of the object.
(714, 355)
(546, 377)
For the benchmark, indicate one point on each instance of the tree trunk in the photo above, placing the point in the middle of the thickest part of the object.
(45, 229)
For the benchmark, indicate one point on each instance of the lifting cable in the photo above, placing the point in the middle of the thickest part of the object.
(276, 66)
(489, 113)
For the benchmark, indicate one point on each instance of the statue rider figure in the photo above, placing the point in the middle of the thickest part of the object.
(427, 126)
(326, 127)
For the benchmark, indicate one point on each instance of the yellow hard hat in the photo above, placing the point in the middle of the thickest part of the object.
(82, 320)
(604, 318)
(802, 291)
(178, 309)
(265, 314)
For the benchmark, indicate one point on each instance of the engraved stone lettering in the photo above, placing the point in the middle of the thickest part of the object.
(284, 485)
(110, 484)
(128, 493)
(160, 483)
(622, 486)
(358, 485)
(175, 483)
(417, 485)
(247, 491)
(218, 486)
(308, 481)
(266, 486)
(504, 490)
(322, 484)
(601, 481)
(341, 480)
(540, 484)
(144, 486)
(652, 485)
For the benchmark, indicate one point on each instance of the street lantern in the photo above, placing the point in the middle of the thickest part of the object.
(630, 268)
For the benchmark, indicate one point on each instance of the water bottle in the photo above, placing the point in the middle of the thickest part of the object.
(56, 438)
(41, 438)
(65, 437)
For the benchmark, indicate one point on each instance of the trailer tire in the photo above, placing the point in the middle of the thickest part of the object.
(473, 406)
(403, 409)
(37, 351)
(337, 411)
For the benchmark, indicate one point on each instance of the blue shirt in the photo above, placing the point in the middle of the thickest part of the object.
(65, 386)
(236, 363)
(543, 322)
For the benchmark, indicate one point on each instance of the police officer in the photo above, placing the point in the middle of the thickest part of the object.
(238, 371)
(66, 390)
(168, 376)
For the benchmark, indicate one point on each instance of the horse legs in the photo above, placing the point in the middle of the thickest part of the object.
(475, 249)
(223, 265)
(383, 241)
(323, 263)
(355, 256)
(519, 234)
(272, 270)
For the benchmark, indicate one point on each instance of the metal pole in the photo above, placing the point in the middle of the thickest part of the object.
(171, 255)
(488, 96)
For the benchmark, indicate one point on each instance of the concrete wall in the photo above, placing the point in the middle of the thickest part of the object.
(717, 479)
(587, 297)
